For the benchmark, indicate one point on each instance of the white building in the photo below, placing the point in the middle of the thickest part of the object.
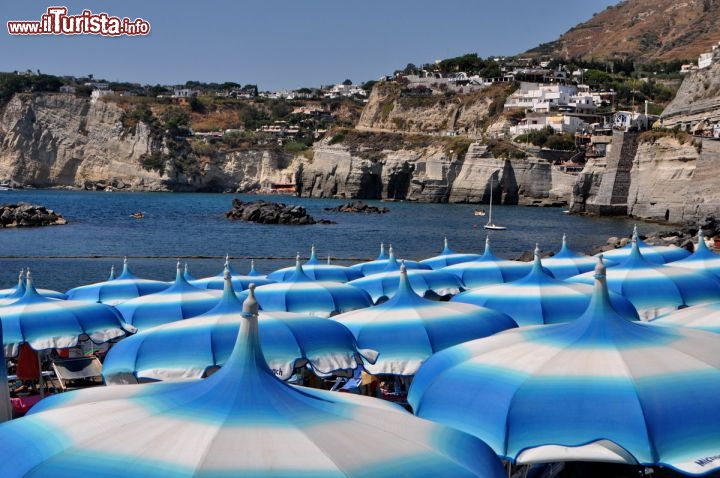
(560, 123)
(541, 97)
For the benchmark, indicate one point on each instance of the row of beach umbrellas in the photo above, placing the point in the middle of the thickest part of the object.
(554, 347)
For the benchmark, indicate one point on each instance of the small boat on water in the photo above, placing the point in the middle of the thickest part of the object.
(137, 215)
(479, 212)
(490, 225)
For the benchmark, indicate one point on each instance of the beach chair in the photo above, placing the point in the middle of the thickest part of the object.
(77, 372)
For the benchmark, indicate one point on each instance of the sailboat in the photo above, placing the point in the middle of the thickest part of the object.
(490, 224)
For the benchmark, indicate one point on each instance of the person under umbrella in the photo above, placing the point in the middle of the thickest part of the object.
(192, 348)
(241, 421)
(600, 388)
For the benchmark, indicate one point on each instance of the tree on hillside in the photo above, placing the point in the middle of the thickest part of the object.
(347, 82)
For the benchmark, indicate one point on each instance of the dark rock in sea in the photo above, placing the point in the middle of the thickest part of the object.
(28, 215)
(358, 206)
(265, 212)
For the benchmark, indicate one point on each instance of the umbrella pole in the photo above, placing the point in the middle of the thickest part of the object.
(40, 376)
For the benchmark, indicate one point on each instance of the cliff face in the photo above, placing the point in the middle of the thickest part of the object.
(391, 108)
(57, 140)
(697, 99)
(431, 175)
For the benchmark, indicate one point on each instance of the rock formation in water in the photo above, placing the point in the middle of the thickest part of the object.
(265, 212)
(28, 215)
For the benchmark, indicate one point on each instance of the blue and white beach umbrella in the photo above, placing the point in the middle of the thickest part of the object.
(114, 291)
(600, 388)
(50, 323)
(305, 295)
(567, 263)
(240, 282)
(656, 254)
(314, 269)
(657, 288)
(539, 298)
(178, 302)
(702, 258)
(380, 264)
(8, 295)
(430, 283)
(241, 421)
(192, 347)
(702, 316)
(488, 269)
(448, 257)
(407, 329)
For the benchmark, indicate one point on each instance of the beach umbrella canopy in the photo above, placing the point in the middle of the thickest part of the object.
(448, 257)
(116, 290)
(178, 302)
(539, 298)
(407, 329)
(382, 262)
(600, 388)
(702, 316)
(8, 295)
(240, 282)
(384, 284)
(488, 269)
(657, 288)
(314, 269)
(241, 421)
(656, 254)
(702, 258)
(188, 349)
(302, 294)
(50, 323)
(567, 263)
(5, 408)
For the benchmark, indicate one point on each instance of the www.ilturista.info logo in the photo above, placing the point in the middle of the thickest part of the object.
(57, 22)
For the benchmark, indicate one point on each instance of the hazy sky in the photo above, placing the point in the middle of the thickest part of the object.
(284, 44)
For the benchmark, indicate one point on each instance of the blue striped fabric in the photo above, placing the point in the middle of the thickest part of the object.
(702, 259)
(8, 295)
(240, 282)
(600, 388)
(383, 285)
(702, 316)
(114, 291)
(567, 263)
(187, 349)
(315, 270)
(488, 269)
(241, 421)
(179, 301)
(305, 295)
(448, 257)
(657, 288)
(50, 323)
(408, 329)
(381, 264)
(656, 254)
(539, 298)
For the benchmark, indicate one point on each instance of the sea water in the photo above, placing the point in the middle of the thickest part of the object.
(192, 227)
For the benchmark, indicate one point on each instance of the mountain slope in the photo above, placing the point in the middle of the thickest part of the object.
(642, 30)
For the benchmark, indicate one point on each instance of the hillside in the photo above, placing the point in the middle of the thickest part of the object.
(642, 31)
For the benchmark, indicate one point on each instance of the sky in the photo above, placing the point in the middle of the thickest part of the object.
(283, 44)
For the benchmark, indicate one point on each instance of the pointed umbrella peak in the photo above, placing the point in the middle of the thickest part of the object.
(251, 307)
(112, 273)
(328, 260)
(446, 249)
(391, 252)
(382, 254)
(253, 271)
(30, 290)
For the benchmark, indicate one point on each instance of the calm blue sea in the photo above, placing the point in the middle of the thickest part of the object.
(193, 227)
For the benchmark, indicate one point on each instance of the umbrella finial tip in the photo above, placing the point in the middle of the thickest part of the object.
(250, 304)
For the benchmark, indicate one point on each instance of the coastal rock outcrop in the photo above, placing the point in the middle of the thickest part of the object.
(431, 174)
(358, 207)
(265, 212)
(28, 215)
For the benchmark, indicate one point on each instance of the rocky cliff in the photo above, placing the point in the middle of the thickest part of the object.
(58, 140)
(432, 174)
(697, 99)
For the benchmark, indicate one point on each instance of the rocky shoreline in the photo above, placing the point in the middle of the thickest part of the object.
(28, 215)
